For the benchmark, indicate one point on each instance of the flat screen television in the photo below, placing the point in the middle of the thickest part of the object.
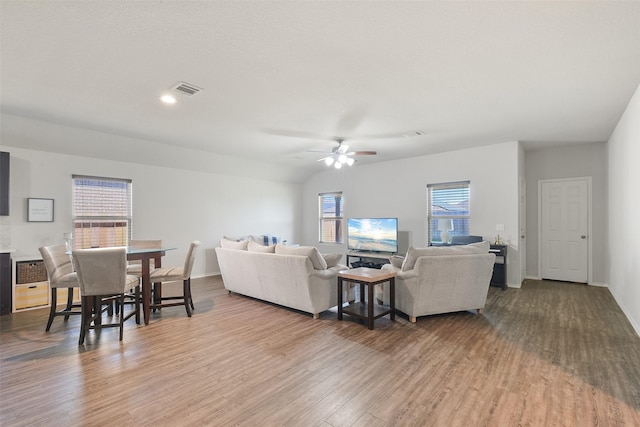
(372, 234)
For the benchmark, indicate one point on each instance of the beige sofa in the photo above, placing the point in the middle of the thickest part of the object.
(295, 277)
(442, 279)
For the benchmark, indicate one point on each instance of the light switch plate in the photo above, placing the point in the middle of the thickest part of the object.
(499, 227)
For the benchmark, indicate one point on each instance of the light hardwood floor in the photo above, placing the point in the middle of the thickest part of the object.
(547, 354)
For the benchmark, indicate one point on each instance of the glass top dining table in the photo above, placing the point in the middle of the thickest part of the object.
(145, 255)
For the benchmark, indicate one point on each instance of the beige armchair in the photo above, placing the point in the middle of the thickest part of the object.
(442, 280)
(135, 267)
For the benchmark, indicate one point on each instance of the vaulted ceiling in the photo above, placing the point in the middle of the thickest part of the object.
(280, 78)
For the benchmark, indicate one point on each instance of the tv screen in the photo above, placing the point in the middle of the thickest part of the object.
(372, 234)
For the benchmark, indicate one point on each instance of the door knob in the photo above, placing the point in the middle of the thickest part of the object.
(583, 237)
(522, 236)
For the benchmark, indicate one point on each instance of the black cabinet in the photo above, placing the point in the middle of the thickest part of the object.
(5, 283)
(4, 183)
(499, 277)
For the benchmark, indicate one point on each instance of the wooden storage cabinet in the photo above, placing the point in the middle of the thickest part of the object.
(31, 288)
(31, 295)
(61, 298)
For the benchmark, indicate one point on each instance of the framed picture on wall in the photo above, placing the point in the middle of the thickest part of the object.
(40, 210)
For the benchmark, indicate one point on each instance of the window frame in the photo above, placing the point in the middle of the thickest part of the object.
(337, 219)
(464, 186)
(104, 227)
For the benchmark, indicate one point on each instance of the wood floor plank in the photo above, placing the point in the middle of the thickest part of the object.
(550, 353)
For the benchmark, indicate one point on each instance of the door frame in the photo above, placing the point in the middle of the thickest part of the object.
(522, 227)
(588, 179)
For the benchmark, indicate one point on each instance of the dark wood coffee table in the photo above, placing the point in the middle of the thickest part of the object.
(367, 310)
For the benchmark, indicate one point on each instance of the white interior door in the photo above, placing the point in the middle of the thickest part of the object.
(564, 225)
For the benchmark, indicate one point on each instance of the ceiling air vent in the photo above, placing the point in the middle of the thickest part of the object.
(187, 89)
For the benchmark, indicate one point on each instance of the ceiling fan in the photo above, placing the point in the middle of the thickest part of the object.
(340, 155)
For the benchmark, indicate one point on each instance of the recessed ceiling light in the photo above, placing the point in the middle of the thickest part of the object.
(168, 99)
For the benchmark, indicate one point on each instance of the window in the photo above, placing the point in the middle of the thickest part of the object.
(101, 211)
(331, 208)
(448, 211)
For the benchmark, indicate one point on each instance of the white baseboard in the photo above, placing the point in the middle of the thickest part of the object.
(635, 325)
(598, 284)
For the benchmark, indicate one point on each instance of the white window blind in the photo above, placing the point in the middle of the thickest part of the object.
(448, 211)
(331, 206)
(101, 211)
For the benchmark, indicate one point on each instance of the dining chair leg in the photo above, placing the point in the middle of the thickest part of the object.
(190, 297)
(52, 309)
(87, 314)
(186, 291)
(120, 302)
(69, 303)
(157, 295)
(137, 303)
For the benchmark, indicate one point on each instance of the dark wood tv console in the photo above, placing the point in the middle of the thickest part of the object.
(369, 259)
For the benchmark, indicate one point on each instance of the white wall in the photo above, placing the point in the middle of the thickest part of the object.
(174, 205)
(624, 227)
(398, 189)
(571, 161)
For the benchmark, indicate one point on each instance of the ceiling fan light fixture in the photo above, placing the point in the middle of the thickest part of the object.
(342, 158)
(350, 161)
(337, 165)
(329, 161)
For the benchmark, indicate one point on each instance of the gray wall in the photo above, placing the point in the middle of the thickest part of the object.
(398, 189)
(570, 161)
(624, 227)
(174, 205)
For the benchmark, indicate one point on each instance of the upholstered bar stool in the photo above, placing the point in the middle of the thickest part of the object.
(171, 274)
(135, 267)
(61, 275)
(102, 274)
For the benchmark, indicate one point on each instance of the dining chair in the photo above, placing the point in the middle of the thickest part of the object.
(135, 267)
(61, 275)
(102, 274)
(171, 274)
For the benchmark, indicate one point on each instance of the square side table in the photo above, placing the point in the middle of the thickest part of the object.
(367, 310)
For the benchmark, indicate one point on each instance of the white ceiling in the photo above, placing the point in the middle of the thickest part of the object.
(284, 77)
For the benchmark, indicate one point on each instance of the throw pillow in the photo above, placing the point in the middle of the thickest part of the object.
(309, 251)
(332, 259)
(256, 247)
(396, 261)
(264, 239)
(230, 244)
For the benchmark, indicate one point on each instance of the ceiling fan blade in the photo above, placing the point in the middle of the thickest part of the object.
(362, 153)
(324, 158)
(342, 148)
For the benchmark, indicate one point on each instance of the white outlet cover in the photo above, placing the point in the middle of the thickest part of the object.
(499, 227)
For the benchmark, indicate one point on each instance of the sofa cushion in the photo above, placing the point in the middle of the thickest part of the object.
(332, 259)
(256, 247)
(230, 244)
(309, 251)
(414, 253)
